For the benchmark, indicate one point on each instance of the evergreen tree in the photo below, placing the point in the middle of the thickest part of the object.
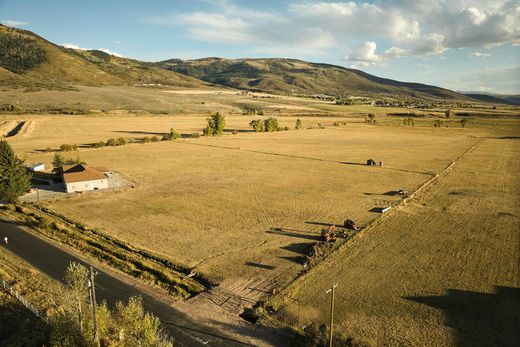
(14, 178)
(57, 164)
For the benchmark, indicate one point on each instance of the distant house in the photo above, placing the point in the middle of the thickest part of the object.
(80, 177)
(37, 167)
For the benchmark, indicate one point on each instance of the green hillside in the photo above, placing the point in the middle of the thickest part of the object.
(290, 76)
(27, 60)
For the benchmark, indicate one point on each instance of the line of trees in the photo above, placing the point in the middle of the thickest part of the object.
(268, 125)
(128, 324)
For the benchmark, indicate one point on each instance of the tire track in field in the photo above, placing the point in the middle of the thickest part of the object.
(302, 157)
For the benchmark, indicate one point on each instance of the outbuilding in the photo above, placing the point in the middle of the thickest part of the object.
(80, 177)
(37, 167)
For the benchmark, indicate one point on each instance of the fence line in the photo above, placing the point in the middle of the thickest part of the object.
(10, 290)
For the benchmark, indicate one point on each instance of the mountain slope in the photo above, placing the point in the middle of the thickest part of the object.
(296, 76)
(26, 59)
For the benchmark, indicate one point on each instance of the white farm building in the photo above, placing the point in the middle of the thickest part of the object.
(80, 177)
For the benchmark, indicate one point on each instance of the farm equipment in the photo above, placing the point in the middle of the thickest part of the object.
(350, 224)
(329, 235)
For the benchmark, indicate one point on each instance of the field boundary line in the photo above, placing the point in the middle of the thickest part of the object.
(413, 196)
(302, 157)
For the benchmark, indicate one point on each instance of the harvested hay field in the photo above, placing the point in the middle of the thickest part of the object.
(442, 270)
(253, 204)
(50, 131)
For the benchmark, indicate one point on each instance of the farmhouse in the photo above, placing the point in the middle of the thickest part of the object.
(80, 177)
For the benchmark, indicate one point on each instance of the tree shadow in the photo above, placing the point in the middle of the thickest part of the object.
(480, 319)
(284, 232)
(376, 210)
(297, 259)
(139, 132)
(299, 248)
(261, 266)
(353, 163)
(391, 193)
(320, 224)
(239, 130)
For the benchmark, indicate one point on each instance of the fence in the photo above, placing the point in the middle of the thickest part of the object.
(10, 290)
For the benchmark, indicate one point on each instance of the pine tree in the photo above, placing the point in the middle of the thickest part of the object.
(14, 179)
(58, 163)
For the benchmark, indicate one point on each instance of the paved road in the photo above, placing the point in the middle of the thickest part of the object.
(53, 261)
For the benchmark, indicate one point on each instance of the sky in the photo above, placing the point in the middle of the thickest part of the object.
(457, 44)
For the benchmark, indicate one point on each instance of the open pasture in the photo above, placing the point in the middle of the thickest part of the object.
(248, 204)
(441, 270)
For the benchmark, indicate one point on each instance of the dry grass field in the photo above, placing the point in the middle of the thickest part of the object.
(244, 209)
(211, 203)
(441, 270)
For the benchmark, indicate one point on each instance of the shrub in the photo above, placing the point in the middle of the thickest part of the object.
(271, 124)
(111, 142)
(257, 125)
(371, 118)
(155, 139)
(99, 144)
(195, 135)
(146, 139)
(172, 135)
(336, 124)
(67, 148)
(298, 124)
(285, 128)
(234, 132)
(121, 141)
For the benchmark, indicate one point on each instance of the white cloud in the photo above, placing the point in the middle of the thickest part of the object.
(13, 23)
(73, 46)
(105, 50)
(479, 55)
(419, 27)
(365, 53)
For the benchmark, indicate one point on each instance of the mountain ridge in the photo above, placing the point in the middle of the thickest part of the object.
(28, 60)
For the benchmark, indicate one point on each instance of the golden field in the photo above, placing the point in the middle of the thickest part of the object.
(211, 203)
(441, 270)
(248, 206)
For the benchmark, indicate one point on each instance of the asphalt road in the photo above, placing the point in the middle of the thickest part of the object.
(53, 261)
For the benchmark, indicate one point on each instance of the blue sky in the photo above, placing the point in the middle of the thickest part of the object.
(457, 44)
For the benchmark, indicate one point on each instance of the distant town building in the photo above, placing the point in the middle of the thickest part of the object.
(80, 177)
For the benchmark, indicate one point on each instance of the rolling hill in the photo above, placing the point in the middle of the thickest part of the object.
(28, 60)
(291, 76)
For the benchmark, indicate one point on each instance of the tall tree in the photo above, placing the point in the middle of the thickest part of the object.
(57, 163)
(216, 124)
(14, 178)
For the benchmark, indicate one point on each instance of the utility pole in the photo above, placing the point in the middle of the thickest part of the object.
(331, 322)
(39, 204)
(93, 302)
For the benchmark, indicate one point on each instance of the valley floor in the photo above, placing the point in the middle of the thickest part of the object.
(441, 270)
